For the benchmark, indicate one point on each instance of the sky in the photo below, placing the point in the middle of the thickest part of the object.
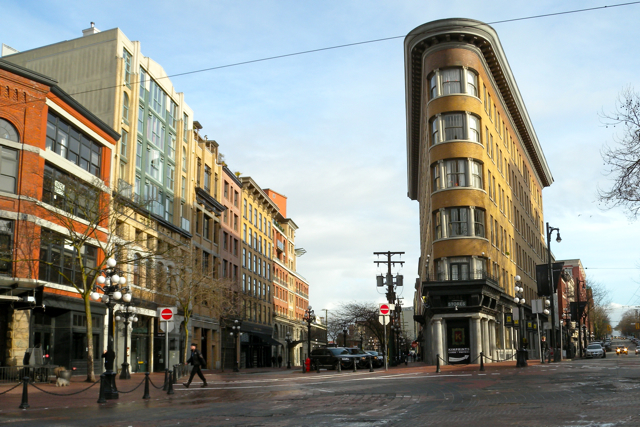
(327, 129)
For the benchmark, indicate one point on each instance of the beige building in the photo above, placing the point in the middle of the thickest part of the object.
(477, 169)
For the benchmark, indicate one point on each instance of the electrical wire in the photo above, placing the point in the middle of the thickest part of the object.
(341, 46)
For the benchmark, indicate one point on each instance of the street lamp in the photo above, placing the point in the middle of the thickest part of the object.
(113, 288)
(344, 335)
(309, 317)
(362, 340)
(235, 332)
(125, 312)
(289, 340)
(521, 360)
(557, 355)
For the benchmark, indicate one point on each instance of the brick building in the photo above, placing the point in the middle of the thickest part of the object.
(47, 139)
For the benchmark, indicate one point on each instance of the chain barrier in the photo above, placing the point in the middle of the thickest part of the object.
(61, 394)
(12, 388)
(473, 361)
(504, 360)
(134, 389)
(441, 358)
(155, 386)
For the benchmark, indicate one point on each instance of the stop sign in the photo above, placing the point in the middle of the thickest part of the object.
(166, 314)
(384, 309)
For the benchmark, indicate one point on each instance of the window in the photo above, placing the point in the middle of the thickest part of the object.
(226, 190)
(455, 127)
(73, 145)
(478, 222)
(139, 154)
(8, 131)
(155, 164)
(198, 171)
(458, 222)
(173, 114)
(59, 260)
(127, 67)
(451, 81)
(6, 247)
(155, 131)
(172, 147)
(184, 159)
(124, 142)
(168, 211)
(185, 126)
(171, 176)
(183, 189)
(455, 173)
(143, 82)
(141, 119)
(207, 228)
(158, 98)
(460, 268)
(125, 107)
(8, 169)
(207, 177)
(69, 194)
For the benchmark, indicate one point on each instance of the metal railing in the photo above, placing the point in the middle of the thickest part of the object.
(39, 374)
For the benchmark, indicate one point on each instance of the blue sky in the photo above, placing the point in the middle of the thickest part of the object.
(328, 129)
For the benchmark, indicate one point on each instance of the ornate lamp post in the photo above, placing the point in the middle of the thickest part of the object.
(112, 284)
(235, 332)
(557, 355)
(309, 317)
(126, 311)
(362, 340)
(288, 339)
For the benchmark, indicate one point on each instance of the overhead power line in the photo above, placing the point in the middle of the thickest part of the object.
(378, 40)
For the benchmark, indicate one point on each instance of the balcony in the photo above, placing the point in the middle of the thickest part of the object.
(280, 245)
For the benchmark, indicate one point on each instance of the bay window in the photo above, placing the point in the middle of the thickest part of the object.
(454, 173)
(451, 81)
(457, 222)
(460, 268)
(460, 126)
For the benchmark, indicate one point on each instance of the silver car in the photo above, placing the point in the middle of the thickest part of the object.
(596, 350)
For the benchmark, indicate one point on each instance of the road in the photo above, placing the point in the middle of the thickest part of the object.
(588, 393)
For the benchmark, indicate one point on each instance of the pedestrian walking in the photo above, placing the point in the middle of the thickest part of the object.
(279, 361)
(196, 361)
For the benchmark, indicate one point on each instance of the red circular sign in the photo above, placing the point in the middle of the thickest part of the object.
(384, 309)
(166, 314)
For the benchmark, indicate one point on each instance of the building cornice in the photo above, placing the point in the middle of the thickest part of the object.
(457, 32)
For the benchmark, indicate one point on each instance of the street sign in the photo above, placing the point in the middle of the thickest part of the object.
(384, 309)
(166, 325)
(384, 320)
(165, 314)
(537, 306)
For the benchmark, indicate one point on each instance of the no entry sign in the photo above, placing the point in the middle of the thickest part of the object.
(166, 313)
(385, 309)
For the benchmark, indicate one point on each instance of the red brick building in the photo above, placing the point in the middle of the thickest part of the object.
(46, 137)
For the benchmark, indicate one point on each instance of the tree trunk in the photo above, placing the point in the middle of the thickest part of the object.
(185, 326)
(87, 309)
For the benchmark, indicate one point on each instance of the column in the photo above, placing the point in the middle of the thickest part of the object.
(476, 338)
(438, 344)
(485, 337)
(492, 340)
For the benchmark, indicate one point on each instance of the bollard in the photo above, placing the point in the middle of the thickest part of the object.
(175, 374)
(170, 388)
(304, 368)
(146, 386)
(437, 363)
(166, 381)
(355, 369)
(370, 364)
(481, 361)
(101, 397)
(318, 366)
(339, 368)
(25, 393)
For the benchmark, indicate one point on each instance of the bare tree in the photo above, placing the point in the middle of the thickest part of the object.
(597, 311)
(189, 281)
(363, 314)
(623, 159)
(75, 250)
(627, 324)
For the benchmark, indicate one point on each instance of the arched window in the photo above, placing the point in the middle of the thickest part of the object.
(8, 131)
(125, 107)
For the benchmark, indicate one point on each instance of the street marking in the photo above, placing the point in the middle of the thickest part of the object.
(495, 373)
(481, 374)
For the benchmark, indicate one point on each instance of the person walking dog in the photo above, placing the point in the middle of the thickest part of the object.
(196, 361)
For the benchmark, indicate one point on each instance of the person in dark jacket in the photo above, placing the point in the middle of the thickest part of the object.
(196, 361)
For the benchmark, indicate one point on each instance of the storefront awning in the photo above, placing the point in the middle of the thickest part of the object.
(267, 339)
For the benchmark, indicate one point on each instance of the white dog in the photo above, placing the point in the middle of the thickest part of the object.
(60, 382)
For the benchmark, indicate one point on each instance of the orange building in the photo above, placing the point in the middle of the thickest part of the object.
(46, 138)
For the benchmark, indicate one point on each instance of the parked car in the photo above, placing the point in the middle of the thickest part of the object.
(378, 359)
(621, 349)
(361, 356)
(330, 357)
(595, 350)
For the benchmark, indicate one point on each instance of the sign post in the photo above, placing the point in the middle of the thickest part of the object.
(166, 316)
(383, 318)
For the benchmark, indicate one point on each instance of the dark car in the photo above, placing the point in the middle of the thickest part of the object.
(361, 356)
(330, 357)
(378, 359)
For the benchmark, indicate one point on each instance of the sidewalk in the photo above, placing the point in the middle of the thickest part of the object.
(82, 394)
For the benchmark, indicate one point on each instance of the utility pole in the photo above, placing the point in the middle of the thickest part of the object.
(391, 294)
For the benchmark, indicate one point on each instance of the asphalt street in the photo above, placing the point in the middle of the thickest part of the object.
(588, 393)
